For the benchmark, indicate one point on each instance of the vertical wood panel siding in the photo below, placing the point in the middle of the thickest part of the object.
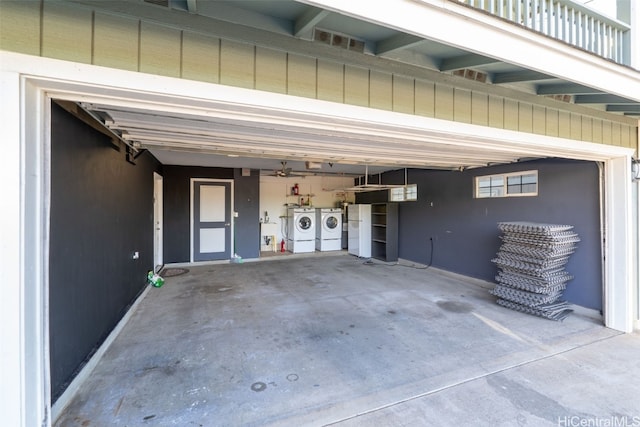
(66, 32)
(628, 136)
(553, 124)
(403, 94)
(115, 42)
(200, 58)
(616, 134)
(425, 98)
(497, 112)
(462, 105)
(330, 81)
(62, 31)
(564, 124)
(479, 109)
(576, 126)
(525, 117)
(237, 64)
(587, 129)
(607, 133)
(271, 70)
(597, 130)
(356, 86)
(380, 90)
(539, 120)
(444, 102)
(301, 72)
(20, 26)
(511, 113)
(160, 50)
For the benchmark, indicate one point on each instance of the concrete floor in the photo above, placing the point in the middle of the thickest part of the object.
(333, 340)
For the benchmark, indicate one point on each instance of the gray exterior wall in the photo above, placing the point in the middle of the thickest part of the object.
(101, 211)
(464, 230)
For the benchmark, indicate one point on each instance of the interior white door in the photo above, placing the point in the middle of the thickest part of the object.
(211, 220)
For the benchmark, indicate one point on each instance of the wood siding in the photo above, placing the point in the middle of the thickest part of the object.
(82, 35)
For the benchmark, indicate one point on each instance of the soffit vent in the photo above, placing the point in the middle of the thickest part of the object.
(471, 75)
(164, 3)
(563, 98)
(342, 41)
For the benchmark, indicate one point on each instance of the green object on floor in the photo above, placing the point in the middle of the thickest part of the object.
(154, 279)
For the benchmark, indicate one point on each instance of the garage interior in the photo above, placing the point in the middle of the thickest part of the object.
(100, 196)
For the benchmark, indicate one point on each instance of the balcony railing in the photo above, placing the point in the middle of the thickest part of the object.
(565, 20)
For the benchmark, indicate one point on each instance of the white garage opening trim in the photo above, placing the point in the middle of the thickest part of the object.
(25, 169)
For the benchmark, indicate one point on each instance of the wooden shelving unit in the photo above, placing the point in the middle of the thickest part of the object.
(384, 231)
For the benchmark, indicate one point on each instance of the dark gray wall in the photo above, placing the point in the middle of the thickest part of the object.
(464, 231)
(101, 211)
(176, 199)
(247, 204)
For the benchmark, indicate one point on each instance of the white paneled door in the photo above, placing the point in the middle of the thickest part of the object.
(211, 220)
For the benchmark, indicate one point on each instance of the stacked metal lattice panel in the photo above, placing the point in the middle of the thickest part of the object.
(531, 275)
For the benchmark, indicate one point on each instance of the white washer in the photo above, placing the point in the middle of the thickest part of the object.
(301, 230)
(329, 229)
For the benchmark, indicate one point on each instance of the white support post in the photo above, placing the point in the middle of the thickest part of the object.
(634, 37)
(636, 244)
(551, 28)
(572, 26)
(618, 296)
(597, 32)
(12, 392)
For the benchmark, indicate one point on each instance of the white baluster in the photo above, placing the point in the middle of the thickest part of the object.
(571, 16)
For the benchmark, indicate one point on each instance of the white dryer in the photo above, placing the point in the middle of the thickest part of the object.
(301, 230)
(329, 229)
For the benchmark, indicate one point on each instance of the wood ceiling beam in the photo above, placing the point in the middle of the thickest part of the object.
(465, 61)
(624, 108)
(305, 24)
(603, 99)
(399, 41)
(565, 89)
(519, 76)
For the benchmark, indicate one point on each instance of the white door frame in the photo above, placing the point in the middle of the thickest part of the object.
(158, 227)
(191, 225)
(25, 170)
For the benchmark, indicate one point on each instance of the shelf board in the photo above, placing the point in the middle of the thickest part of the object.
(379, 241)
(379, 225)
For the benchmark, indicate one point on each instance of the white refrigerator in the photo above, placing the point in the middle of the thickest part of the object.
(359, 230)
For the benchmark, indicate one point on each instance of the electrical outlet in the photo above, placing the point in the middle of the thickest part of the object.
(136, 255)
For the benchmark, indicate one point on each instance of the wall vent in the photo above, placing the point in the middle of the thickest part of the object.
(562, 98)
(471, 75)
(342, 41)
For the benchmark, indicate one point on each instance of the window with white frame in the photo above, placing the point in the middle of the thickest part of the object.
(507, 185)
(403, 194)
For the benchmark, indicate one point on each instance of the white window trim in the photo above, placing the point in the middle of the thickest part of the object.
(506, 193)
(403, 197)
